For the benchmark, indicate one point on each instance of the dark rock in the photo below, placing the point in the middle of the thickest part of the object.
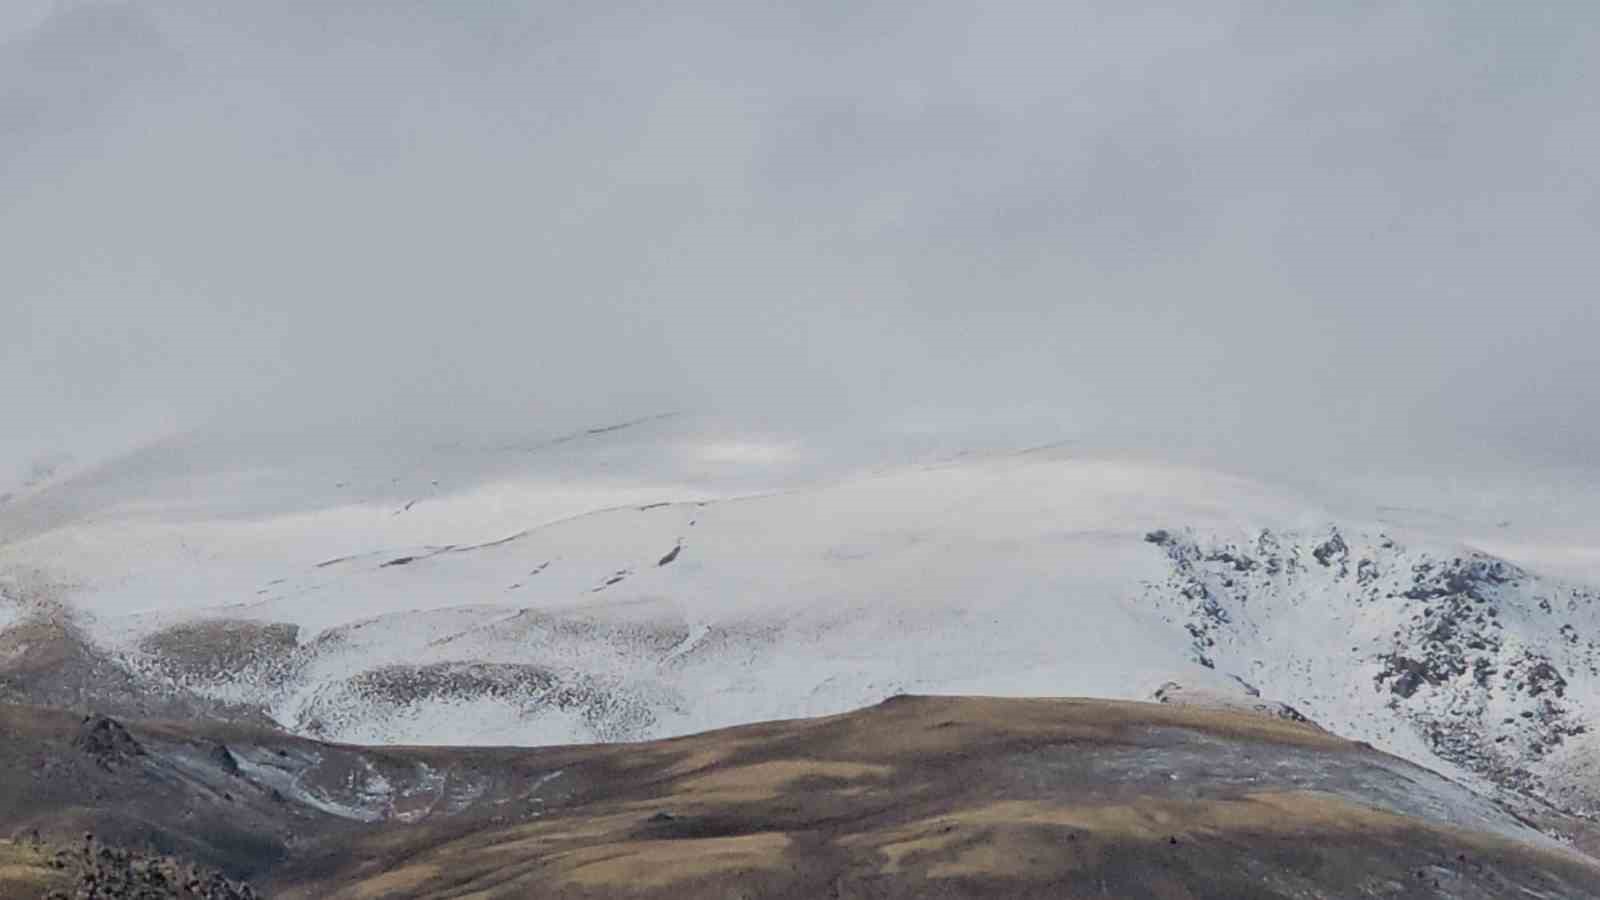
(1544, 677)
(1333, 550)
(1366, 572)
(223, 757)
(107, 742)
(1409, 675)
(1249, 688)
(1238, 561)
(1285, 711)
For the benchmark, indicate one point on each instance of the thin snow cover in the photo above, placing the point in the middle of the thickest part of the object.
(468, 721)
(670, 575)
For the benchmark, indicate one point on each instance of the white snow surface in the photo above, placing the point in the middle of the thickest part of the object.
(518, 592)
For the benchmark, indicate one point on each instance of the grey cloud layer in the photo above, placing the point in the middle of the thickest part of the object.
(1364, 233)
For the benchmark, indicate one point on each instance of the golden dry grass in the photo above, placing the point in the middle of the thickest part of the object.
(890, 793)
(25, 872)
(763, 781)
(936, 724)
(402, 881)
(646, 864)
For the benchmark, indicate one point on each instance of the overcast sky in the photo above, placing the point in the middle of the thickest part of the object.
(1360, 231)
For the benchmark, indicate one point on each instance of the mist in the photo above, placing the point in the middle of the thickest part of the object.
(1351, 235)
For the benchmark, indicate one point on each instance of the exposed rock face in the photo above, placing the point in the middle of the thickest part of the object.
(111, 873)
(1496, 670)
(224, 758)
(106, 742)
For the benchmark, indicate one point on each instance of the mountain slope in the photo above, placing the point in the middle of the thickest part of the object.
(1469, 658)
(661, 578)
(919, 796)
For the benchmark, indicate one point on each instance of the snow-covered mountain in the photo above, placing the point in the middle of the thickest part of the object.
(1435, 651)
(665, 576)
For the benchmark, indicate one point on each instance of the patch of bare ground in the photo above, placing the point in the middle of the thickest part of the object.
(47, 660)
(223, 648)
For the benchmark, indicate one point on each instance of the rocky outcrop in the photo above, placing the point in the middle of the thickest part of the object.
(1494, 669)
(104, 740)
(102, 872)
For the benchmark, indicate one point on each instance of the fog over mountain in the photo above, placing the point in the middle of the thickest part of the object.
(1076, 448)
(1356, 236)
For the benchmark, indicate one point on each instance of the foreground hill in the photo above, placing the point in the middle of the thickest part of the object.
(915, 797)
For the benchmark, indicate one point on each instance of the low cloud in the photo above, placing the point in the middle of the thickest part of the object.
(1362, 235)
